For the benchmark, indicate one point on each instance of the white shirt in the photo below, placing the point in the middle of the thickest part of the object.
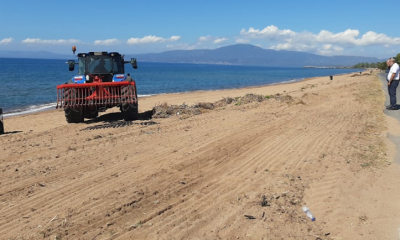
(393, 69)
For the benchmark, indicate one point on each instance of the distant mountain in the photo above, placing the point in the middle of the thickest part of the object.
(246, 54)
(33, 54)
(239, 54)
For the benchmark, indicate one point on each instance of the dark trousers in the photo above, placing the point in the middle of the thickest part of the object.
(392, 92)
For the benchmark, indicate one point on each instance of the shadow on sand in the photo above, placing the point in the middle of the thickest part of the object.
(113, 117)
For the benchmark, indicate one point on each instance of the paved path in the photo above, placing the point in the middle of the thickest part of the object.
(392, 113)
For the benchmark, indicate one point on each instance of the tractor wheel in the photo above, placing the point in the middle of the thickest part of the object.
(129, 111)
(73, 114)
(1, 127)
(90, 113)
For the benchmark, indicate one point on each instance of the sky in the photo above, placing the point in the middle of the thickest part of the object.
(330, 28)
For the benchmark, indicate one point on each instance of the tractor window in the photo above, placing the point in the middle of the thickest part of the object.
(99, 64)
(81, 69)
(118, 66)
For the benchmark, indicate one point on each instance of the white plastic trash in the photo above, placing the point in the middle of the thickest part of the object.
(309, 214)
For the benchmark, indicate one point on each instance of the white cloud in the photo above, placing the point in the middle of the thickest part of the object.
(348, 41)
(372, 38)
(329, 49)
(54, 42)
(323, 42)
(347, 37)
(6, 41)
(351, 37)
(270, 32)
(283, 46)
(174, 38)
(242, 40)
(152, 39)
(327, 46)
(220, 40)
(211, 39)
(113, 41)
(294, 47)
(204, 38)
(182, 46)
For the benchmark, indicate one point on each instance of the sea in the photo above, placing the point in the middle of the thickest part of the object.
(29, 85)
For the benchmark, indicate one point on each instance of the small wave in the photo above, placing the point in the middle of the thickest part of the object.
(40, 107)
(30, 109)
(288, 81)
(145, 95)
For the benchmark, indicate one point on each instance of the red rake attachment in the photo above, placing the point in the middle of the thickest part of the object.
(96, 94)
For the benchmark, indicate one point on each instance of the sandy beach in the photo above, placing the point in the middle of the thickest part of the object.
(237, 169)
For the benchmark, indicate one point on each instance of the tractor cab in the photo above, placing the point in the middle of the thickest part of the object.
(99, 66)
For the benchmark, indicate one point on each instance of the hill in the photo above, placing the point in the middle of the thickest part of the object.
(33, 54)
(246, 54)
(239, 54)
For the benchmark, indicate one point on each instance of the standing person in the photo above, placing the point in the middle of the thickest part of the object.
(393, 81)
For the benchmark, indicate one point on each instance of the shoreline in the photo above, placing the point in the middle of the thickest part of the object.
(52, 108)
(27, 112)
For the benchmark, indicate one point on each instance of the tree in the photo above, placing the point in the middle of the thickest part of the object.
(382, 65)
(397, 58)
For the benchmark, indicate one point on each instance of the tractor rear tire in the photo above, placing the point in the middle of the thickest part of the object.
(129, 111)
(73, 114)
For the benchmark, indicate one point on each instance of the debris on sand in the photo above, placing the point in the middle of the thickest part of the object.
(164, 110)
(183, 111)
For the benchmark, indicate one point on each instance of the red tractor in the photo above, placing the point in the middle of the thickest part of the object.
(100, 83)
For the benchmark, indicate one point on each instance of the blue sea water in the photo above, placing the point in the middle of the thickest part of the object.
(28, 85)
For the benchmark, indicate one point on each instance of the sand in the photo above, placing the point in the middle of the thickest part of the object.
(238, 171)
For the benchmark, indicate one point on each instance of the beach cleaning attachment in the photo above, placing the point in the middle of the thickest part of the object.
(99, 95)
